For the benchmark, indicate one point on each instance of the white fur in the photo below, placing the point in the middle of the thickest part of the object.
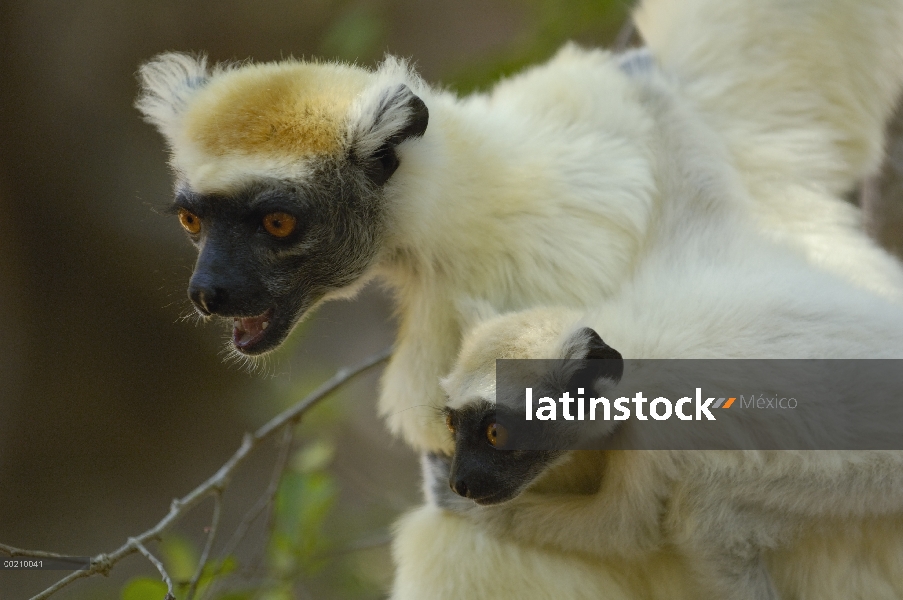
(545, 190)
(719, 511)
(168, 82)
(800, 93)
(552, 188)
(700, 165)
(371, 120)
(441, 556)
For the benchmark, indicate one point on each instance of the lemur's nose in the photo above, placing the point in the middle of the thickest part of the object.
(207, 298)
(460, 488)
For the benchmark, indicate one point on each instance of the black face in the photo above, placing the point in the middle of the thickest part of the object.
(482, 469)
(491, 463)
(271, 252)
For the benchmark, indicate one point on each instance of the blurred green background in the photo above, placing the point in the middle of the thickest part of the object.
(111, 404)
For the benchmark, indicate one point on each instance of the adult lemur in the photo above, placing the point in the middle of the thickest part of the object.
(300, 181)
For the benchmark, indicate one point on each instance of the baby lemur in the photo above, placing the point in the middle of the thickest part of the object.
(723, 510)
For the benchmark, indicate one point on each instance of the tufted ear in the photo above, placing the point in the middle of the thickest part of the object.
(167, 82)
(600, 361)
(382, 121)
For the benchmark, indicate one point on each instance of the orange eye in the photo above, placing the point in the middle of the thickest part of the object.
(449, 424)
(189, 221)
(279, 224)
(497, 435)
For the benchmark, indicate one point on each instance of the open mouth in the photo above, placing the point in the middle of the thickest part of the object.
(249, 332)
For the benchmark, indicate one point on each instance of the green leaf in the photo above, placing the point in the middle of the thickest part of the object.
(180, 556)
(224, 567)
(315, 457)
(144, 588)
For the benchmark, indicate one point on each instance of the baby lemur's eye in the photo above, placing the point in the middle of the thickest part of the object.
(279, 224)
(497, 435)
(189, 221)
(449, 424)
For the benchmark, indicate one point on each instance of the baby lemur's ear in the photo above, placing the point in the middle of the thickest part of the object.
(379, 123)
(600, 361)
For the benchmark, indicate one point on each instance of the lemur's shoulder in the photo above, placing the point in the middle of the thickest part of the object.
(578, 89)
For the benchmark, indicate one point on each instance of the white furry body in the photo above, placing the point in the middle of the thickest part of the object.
(725, 515)
(555, 186)
(553, 189)
(757, 126)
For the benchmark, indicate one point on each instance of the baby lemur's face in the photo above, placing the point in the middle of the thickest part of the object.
(482, 468)
(488, 467)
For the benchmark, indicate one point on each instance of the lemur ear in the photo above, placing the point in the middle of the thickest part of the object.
(380, 124)
(601, 361)
(167, 82)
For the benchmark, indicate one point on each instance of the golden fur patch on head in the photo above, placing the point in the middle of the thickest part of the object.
(290, 108)
(533, 333)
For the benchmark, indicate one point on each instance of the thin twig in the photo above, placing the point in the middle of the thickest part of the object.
(266, 497)
(256, 563)
(102, 563)
(258, 558)
(13, 552)
(294, 414)
(170, 592)
(65, 581)
(211, 534)
(265, 500)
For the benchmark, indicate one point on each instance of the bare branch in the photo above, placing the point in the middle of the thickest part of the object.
(170, 593)
(264, 501)
(102, 563)
(13, 552)
(211, 534)
(294, 414)
(64, 582)
(266, 498)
